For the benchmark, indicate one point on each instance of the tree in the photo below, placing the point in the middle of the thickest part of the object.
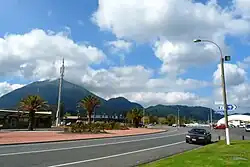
(89, 103)
(136, 115)
(153, 119)
(32, 104)
(67, 114)
(129, 117)
(171, 119)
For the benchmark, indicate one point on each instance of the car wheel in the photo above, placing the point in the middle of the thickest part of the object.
(187, 141)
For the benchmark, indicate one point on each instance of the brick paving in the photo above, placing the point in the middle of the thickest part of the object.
(16, 137)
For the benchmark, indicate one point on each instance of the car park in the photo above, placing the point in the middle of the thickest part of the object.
(199, 136)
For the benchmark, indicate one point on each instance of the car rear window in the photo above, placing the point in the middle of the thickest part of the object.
(248, 126)
(199, 131)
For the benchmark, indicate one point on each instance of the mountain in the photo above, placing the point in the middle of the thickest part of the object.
(48, 90)
(71, 94)
(120, 104)
(192, 112)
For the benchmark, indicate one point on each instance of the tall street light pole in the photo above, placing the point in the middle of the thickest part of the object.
(223, 85)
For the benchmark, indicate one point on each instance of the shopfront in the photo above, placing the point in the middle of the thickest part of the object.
(11, 119)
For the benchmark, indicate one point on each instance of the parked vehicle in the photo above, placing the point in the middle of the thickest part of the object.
(242, 126)
(198, 135)
(221, 126)
(247, 128)
(174, 125)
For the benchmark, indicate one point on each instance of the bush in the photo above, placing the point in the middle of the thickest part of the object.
(81, 127)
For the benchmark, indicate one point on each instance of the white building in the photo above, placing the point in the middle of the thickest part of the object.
(235, 120)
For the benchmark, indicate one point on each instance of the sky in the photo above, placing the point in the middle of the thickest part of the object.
(139, 49)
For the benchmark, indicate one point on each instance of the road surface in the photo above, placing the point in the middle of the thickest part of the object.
(122, 151)
(234, 133)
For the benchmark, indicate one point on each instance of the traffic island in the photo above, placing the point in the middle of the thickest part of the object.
(214, 155)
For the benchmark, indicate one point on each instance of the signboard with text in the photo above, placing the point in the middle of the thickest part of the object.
(230, 107)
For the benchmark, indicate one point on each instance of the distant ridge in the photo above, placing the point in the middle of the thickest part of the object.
(72, 93)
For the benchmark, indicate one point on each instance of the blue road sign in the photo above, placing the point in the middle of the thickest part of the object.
(230, 107)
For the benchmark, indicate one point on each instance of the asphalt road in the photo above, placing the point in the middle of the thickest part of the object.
(234, 133)
(122, 151)
(112, 152)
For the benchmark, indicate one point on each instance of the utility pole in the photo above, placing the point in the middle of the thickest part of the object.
(178, 117)
(58, 116)
(143, 118)
(211, 117)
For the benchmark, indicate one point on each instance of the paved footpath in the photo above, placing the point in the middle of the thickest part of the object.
(15, 137)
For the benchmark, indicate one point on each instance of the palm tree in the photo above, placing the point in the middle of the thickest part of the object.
(136, 114)
(32, 104)
(89, 103)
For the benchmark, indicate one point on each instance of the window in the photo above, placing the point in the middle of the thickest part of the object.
(199, 131)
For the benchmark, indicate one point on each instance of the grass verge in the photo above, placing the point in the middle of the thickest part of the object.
(213, 155)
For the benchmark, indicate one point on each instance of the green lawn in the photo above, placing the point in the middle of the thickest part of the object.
(214, 155)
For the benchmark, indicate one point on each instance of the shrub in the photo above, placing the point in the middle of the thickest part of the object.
(81, 127)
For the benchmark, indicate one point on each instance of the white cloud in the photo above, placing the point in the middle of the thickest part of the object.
(245, 63)
(38, 54)
(242, 8)
(119, 46)
(5, 87)
(152, 98)
(234, 75)
(176, 57)
(137, 83)
(237, 87)
(176, 20)
(169, 26)
(173, 25)
(238, 95)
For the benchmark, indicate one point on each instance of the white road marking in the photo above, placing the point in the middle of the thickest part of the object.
(87, 146)
(116, 155)
(74, 141)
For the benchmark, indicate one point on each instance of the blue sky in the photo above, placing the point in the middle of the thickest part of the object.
(76, 19)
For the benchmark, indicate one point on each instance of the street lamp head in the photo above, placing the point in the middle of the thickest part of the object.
(197, 40)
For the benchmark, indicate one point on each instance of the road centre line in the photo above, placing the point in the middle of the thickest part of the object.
(116, 155)
(87, 146)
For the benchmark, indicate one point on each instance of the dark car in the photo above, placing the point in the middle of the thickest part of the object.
(199, 136)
